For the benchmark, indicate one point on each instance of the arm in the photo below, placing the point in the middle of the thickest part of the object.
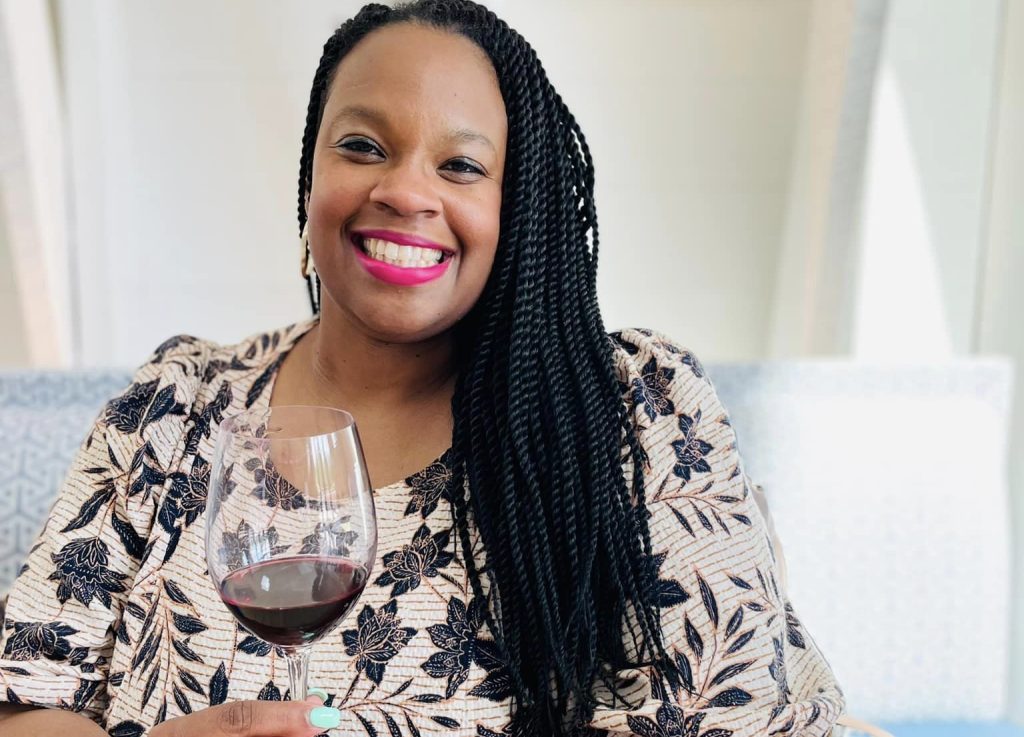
(744, 665)
(31, 721)
(63, 609)
(237, 719)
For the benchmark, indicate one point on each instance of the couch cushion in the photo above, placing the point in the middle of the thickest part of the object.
(43, 418)
(955, 729)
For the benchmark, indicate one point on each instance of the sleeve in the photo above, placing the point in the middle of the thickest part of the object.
(64, 608)
(745, 665)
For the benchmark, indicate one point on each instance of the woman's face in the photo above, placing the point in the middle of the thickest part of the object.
(405, 201)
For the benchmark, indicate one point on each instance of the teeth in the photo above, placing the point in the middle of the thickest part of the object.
(403, 256)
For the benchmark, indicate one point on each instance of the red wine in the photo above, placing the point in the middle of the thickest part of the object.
(293, 601)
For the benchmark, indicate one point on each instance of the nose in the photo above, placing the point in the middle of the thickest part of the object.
(406, 189)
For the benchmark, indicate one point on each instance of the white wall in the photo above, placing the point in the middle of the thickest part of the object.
(185, 121)
(1003, 299)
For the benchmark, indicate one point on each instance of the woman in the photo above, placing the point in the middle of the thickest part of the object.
(567, 538)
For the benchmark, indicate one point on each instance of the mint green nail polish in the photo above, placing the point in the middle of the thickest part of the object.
(325, 717)
(319, 693)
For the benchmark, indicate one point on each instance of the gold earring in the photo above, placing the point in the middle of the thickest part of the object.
(307, 266)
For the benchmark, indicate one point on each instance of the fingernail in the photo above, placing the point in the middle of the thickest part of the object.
(325, 717)
(319, 693)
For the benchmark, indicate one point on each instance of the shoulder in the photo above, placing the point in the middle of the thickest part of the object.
(184, 374)
(647, 359)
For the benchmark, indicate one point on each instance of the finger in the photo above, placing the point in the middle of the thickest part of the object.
(319, 694)
(253, 719)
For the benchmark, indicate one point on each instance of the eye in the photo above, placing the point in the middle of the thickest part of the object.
(361, 146)
(463, 168)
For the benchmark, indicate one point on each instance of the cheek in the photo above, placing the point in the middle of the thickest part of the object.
(481, 225)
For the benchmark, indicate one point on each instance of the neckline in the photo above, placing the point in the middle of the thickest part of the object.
(295, 333)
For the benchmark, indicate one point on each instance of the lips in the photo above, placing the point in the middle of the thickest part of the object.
(401, 259)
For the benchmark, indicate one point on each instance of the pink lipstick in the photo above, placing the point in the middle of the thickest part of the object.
(403, 276)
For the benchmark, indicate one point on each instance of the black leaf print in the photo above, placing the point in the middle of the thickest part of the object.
(793, 634)
(735, 621)
(685, 671)
(125, 412)
(775, 713)
(670, 722)
(185, 650)
(331, 535)
(717, 732)
(172, 544)
(186, 496)
(189, 681)
(729, 672)
(237, 548)
(392, 725)
(428, 487)
(703, 519)
(34, 639)
(188, 625)
(427, 698)
(161, 713)
(413, 731)
(371, 731)
(256, 390)
(163, 405)
(422, 558)
(742, 518)
(82, 572)
(694, 640)
(133, 544)
(740, 642)
(12, 697)
(273, 488)
(815, 713)
(754, 606)
(219, 686)
(270, 692)
(497, 686)
(709, 600)
(458, 643)
(127, 729)
(148, 477)
(78, 655)
(402, 689)
(682, 520)
(15, 670)
(691, 724)
(721, 522)
(115, 679)
(254, 646)
(741, 583)
(90, 507)
(651, 390)
(150, 686)
(670, 592)
(730, 697)
(181, 700)
(691, 450)
(174, 591)
(446, 722)
(377, 639)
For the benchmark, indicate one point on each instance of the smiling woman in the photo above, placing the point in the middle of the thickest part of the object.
(568, 541)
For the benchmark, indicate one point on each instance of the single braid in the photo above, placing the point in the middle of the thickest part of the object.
(541, 432)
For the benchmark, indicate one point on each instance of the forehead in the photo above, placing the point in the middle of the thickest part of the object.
(413, 71)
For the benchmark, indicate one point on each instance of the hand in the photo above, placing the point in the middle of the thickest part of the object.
(254, 719)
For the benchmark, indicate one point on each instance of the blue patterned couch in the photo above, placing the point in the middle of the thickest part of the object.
(865, 469)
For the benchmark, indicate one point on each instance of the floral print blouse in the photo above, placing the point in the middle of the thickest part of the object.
(113, 616)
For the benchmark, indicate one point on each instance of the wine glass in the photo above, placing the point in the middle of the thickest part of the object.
(291, 530)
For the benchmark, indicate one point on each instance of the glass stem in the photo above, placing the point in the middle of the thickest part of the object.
(298, 669)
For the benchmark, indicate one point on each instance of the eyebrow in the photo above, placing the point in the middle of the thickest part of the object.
(375, 117)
